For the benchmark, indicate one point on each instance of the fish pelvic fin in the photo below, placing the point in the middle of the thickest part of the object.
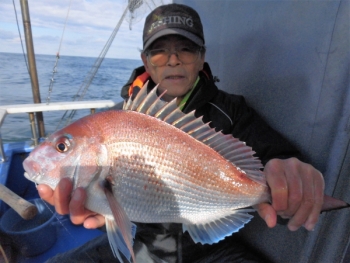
(116, 240)
(232, 149)
(216, 230)
(120, 231)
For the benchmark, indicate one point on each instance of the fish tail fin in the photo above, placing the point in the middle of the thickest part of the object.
(120, 230)
(213, 231)
(330, 203)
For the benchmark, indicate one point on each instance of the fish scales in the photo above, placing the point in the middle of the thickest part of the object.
(171, 168)
(169, 162)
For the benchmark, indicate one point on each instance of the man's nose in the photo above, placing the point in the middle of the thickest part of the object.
(173, 58)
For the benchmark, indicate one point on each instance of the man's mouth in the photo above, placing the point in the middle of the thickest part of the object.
(174, 77)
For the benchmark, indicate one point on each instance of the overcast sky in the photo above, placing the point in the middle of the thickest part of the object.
(89, 25)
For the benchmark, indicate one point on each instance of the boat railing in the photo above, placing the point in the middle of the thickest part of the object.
(31, 109)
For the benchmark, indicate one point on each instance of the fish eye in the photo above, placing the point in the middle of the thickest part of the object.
(61, 147)
(62, 144)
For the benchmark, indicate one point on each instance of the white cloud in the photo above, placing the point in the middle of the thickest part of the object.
(89, 25)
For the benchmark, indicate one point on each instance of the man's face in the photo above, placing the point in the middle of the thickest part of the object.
(176, 77)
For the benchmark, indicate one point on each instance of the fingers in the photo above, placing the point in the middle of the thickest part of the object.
(312, 200)
(267, 213)
(296, 191)
(46, 193)
(62, 196)
(77, 206)
(59, 197)
(80, 215)
(318, 201)
(66, 202)
(275, 177)
(295, 188)
(94, 221)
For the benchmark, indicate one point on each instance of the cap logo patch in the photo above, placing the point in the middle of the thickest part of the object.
(171, 20)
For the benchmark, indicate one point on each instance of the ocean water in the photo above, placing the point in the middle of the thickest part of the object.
(15, 87)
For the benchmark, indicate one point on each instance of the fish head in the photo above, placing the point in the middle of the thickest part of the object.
(76, 151)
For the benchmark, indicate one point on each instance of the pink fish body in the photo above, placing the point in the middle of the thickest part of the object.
(168, 167)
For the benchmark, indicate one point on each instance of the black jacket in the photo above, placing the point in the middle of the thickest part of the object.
(230, 114)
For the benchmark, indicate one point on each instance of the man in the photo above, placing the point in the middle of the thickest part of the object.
(174, 57)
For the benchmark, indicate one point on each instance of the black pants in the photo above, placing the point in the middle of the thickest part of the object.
(155, 243)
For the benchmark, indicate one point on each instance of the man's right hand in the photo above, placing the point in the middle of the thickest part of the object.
(67, 202)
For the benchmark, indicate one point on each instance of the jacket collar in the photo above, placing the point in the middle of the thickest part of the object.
(204, 91)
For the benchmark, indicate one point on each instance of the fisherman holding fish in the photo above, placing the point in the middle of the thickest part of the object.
(173, 56)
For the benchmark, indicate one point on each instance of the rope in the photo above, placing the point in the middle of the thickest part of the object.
(57, 57)
(20, 36)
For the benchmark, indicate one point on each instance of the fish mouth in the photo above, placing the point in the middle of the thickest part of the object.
(33, 170)
(32, 177)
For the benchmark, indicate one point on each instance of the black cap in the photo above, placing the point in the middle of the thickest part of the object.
(173, 19)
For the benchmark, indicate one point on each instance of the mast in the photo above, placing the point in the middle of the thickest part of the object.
(32, 64)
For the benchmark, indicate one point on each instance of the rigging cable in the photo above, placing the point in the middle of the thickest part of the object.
(20, 36)
(89, 77)
(57, 57)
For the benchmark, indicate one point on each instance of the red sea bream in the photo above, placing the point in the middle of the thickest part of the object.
(152, 163)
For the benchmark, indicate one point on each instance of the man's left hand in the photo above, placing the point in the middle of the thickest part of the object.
(297, 191)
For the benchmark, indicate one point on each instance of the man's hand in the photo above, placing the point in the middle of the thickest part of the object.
(297, 191)
(66, 202)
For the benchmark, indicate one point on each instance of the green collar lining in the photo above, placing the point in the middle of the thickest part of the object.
(184, 100)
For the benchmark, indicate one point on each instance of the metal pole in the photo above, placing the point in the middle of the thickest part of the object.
(32, 64)
(2, 152)
(32, 126)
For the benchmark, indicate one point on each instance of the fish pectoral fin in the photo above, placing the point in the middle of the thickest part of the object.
(116, 239)
(120, 230)
(213, 231)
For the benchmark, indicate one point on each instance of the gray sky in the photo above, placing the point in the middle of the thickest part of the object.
(89, 25)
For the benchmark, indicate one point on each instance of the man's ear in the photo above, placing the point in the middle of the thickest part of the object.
(144, 60)
(203, 60)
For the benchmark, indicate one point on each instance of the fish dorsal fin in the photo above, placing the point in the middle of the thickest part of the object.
(149, 104)
(234, 150)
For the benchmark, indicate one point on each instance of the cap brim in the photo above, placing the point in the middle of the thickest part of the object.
(174, 31)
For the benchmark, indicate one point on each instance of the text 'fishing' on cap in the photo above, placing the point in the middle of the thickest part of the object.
(173, 19)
